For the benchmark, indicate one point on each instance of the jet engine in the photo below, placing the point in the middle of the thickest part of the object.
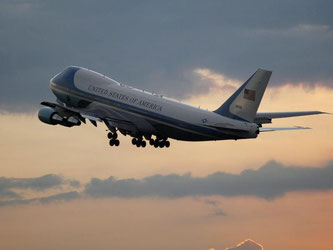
(50, 116)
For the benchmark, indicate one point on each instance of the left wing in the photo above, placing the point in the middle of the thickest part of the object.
(111, 118)
(72, 111)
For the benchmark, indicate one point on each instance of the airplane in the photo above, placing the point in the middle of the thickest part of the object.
(83, 94)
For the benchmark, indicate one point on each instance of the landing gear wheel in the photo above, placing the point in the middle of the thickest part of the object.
(110, 135)
(151, 142)
(111, 142)
(116, 143)
(167, 144)
(115, 136)
(143, 144)
(156, 143)
(134, 141)
(161, 144)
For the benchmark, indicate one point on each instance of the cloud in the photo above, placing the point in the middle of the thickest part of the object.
(212, 203)
(67, 196)
(298, 30)
(247, 245)
(271, 181)
(9, 186)
(39, 183)
(219, 212)
(154, 44)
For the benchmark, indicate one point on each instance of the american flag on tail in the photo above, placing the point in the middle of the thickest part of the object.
(249, 94)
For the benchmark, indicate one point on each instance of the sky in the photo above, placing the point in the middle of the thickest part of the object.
(65, 188)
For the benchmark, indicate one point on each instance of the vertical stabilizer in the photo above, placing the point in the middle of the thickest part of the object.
(244, 103)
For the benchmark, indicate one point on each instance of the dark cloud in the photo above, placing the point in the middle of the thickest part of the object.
(271, 181)
(57, 197)
(39, 183)
(155, 44)
(8, 186)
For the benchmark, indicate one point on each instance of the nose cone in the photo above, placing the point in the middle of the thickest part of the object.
(65, 78)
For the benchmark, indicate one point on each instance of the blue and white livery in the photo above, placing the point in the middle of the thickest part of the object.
(84, 94)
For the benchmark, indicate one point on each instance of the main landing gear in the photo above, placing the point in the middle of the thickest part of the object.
(113, 139)
(139, 142)
(159, 143)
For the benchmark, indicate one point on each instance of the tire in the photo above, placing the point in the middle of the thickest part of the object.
(111, 142)
(134, 141)
(116, 142)
(167, 144)
(143, 144)
(115, 136)
(151, 142)
(110, 135)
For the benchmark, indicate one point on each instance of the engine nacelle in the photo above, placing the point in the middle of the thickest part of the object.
(72, 121)
(50, 116)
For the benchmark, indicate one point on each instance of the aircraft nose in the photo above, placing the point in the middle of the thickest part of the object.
(65, 78)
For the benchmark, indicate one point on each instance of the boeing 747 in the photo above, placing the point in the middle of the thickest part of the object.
(83, 94)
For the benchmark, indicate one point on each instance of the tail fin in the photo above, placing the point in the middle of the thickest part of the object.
(244, 103)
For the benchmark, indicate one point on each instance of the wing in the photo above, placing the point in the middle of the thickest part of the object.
(94, 115)
(126, 123)
(266, 117)
(68, 111)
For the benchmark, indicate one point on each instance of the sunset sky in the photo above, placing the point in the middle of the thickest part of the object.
(65, 188)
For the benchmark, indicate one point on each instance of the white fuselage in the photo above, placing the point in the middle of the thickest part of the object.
(107, 94)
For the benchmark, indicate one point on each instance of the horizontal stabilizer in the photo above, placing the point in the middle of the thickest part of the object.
(266, 117)
(280, 129)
